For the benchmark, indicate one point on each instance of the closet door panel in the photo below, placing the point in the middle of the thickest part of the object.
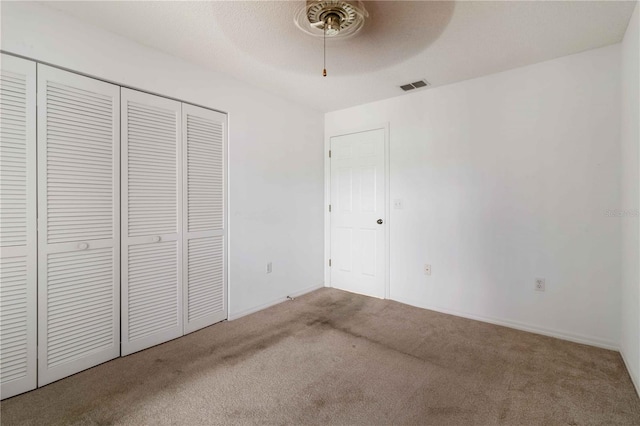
(204, 258)
(18, 232)
(79, 223)
(152, 217)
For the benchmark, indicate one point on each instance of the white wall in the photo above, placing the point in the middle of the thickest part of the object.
(275, 155)
(506, 178)
(630, 202)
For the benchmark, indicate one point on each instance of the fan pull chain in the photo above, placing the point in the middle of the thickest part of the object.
(324, 50)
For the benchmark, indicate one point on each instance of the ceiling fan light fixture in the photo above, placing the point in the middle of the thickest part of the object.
(331, 18)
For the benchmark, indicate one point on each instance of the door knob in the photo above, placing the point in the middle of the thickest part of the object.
(379, 221)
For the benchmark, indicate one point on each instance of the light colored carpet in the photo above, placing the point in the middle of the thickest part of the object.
(332, 357)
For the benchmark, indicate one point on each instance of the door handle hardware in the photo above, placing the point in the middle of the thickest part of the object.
(379, 221)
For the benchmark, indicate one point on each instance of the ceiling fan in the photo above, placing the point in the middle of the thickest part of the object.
(331, 18)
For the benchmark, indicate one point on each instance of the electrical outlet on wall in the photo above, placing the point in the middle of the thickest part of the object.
(427, 269)
(269, 267)
(540, 284)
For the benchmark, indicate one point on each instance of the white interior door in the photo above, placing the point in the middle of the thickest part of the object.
(151, 220)
(18, 233)
(204, 255)
(79, 223)
(358, 250)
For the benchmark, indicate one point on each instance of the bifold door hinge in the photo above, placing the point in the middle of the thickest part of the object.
(329, 262)
(329, 153)
(329, 208)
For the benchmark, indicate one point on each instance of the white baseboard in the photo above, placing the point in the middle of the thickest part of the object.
(634, 379)
(235, 315)
(571, 337)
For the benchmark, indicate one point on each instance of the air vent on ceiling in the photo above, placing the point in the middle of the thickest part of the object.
(414, 85)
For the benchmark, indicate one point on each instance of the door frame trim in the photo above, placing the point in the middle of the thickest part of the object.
(327, 200)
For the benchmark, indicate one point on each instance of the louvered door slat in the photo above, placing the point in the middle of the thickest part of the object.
(205, 277)
(14, 159)
(18, 229)
(151, 232)
(204, 141)
(79, 286)
(14, 332)
(88, 114)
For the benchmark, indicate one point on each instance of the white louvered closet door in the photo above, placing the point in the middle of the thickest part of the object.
(151, 220)
(18, 233)
(204, 258)
(79, 215)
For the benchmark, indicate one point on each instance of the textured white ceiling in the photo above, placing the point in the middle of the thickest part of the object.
(442, 42)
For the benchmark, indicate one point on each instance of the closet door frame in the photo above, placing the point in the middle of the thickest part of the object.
(128, 347)
(30, 250)
(188, 109)
(47, 375)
